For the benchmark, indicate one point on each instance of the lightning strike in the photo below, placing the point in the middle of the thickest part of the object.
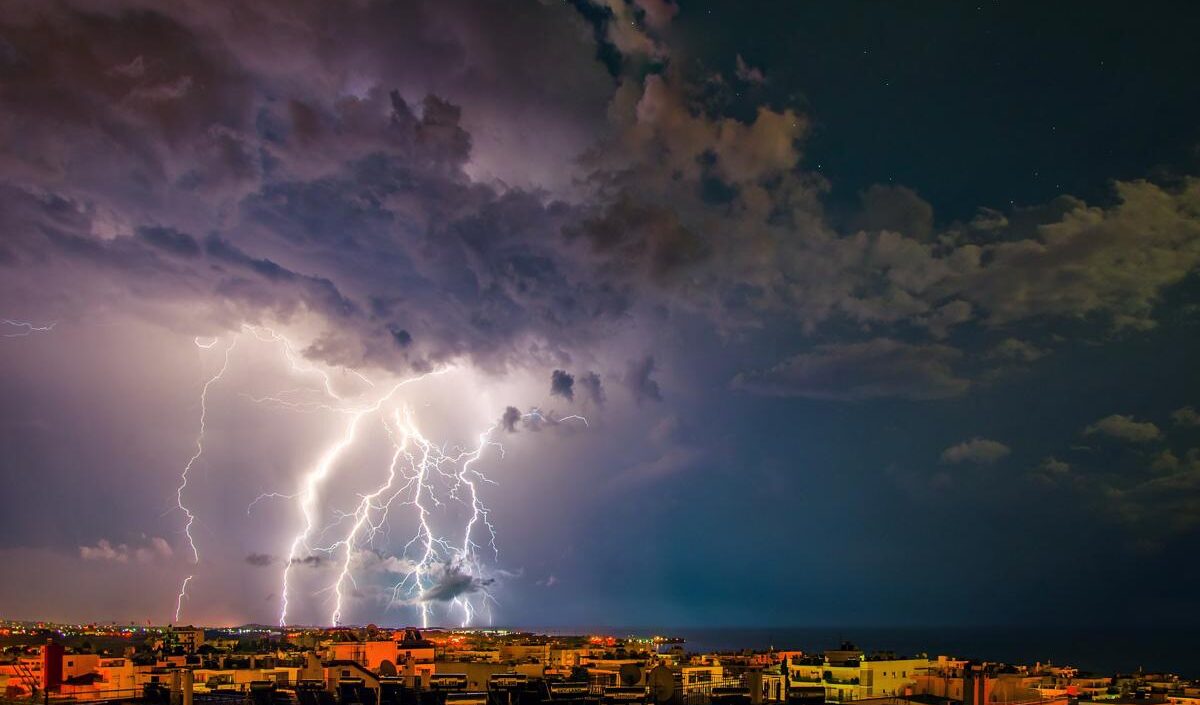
(183, 476)
(421, 474)
(309, 491)
(24, 329)
(436, 552)
(438, 556)
(308, 501)
(362, 517)
(182, 595)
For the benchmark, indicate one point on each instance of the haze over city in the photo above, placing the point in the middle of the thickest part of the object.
(630, 313)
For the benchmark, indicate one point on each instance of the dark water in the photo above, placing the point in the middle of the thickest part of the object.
(1098, 650)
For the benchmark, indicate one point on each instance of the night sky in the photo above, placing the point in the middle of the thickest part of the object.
(853, 313)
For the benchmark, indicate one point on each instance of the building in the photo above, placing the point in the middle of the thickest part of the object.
(984, 684)
(698, 678)
(525, 653)
(849, 674)
(217, 679)
(405, 649)
(187, 638)
(91, 676)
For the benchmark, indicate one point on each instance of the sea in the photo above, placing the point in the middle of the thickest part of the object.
(1096, 650)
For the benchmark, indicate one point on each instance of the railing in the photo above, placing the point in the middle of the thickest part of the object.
(215, 697)
(700, 692)
(82, 696)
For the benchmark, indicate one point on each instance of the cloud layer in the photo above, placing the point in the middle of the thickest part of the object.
(404, 187)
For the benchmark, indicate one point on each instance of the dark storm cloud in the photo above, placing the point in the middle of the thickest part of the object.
(171, 240)
(364, 196)
(593, 387)
(208, 169)
(636, 237)
(510, 418)
(174, 266)
(420, 185)
(562, 384)
(451, 582)
(505, 287)
(639, 381)
(259, 560)
(402, 337)
(309, 561)
(318, 291)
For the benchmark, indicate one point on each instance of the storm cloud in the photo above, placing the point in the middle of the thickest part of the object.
(452, 582)
(639, 380)
(562, 384)
(259, 560)
(658, 226)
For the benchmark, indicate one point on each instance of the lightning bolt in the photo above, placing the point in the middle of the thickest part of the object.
(182, 595)
(362, 517)
(310, 485)
(183, 476)
(436, 552)
(420, 473)
(308, 501)
(24, 328)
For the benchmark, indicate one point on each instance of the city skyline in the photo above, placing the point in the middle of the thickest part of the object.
(611, 312)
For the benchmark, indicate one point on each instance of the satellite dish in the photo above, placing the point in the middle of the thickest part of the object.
(662, 683)
(630, 674)
(387, 668)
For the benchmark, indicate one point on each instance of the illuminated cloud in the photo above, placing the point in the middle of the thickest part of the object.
(1125, 428)
(155, 549)
(1016, 350)
(1052, 469)
(747, 73)
(412, 185)
(1187, 417)
(895, 208)
(982, 451)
